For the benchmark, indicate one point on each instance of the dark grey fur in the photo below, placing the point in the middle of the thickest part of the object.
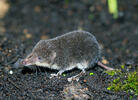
(72, 48)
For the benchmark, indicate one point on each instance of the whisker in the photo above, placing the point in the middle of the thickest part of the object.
(36, 70)
(45, 71)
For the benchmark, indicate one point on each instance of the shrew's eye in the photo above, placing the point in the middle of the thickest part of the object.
(40, 58)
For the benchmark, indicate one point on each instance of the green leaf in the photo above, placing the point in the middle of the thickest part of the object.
(91, 74)
(64, 75)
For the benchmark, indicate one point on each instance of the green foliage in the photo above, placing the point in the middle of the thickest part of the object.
(64, 75)
(91, 74)
(113, 72)
(66, 2)
(122, 66)
(113, 8)
(125, 81)
(131, 97)
(91, 16)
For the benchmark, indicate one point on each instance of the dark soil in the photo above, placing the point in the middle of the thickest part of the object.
(28, 21)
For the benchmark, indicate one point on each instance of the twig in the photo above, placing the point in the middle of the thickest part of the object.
(20, 88)
(14, 84)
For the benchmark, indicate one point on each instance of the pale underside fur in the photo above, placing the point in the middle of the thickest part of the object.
(83, 65)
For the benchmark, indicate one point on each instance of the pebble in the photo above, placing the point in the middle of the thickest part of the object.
(10, 72)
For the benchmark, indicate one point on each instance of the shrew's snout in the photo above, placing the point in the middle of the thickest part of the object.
(30, 60)
(24, 62)
(27, 62)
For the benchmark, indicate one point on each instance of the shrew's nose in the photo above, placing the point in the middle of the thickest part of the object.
(24, 62)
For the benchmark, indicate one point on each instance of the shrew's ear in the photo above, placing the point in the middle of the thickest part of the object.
(53, 55)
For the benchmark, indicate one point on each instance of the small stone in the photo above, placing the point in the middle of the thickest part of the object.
(4, 7)
(6, 69)
(104, 61)
(10, 72)
(25, 31)
(85, 81)
(10, 51)
(130, 62)
(75, 91)
(44, 37)
(37, 9)
(28, 35)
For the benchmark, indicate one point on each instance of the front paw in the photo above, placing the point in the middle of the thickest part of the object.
(53, 75)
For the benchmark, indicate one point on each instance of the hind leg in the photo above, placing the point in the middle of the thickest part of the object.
(76, 77)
